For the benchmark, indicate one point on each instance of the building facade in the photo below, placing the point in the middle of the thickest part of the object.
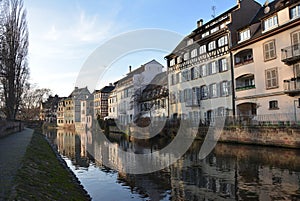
(129, 88)
(267, 64)
(101, 101)
(48, 112)
(69, 109)
(154, 99)
(199, 69)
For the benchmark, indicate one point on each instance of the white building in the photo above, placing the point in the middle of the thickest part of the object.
(129, 89)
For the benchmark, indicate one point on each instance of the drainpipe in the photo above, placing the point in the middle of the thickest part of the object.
(232, 84)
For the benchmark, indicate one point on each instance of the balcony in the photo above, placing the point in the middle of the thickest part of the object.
(245, 82)
(291, 55)
(244, 57)
(292, 86)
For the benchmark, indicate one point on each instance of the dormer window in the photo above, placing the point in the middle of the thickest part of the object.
(190, 41)
(295, 12)
(270, 23)
(244, 35)
(205, 34)
(186, 56)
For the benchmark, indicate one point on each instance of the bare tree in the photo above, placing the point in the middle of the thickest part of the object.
(32, 99)
(14, 70)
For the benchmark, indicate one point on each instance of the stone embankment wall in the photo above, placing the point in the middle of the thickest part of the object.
(273, 136)
(8, 127)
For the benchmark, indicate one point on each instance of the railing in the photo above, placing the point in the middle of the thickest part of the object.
(291, 54)
(241, 88)
(292, 86)
(281, 119)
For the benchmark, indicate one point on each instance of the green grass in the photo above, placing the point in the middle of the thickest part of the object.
(43, 177)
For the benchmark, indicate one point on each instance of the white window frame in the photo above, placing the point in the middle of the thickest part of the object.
(202, 49)
(211, 45)
(244, 35)
(224, 88)
(222, 41)
(295, 12)
(223, 64)
(193, 53)
(213, 91)
(270, 23)
(186, 56)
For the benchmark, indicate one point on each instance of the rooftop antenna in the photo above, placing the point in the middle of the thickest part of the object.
(213, 8)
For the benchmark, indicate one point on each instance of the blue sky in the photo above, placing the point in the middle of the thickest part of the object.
(62, 34)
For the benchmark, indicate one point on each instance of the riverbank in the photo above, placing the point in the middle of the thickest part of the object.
(45, 176)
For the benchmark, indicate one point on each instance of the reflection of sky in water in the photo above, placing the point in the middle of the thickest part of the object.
(230, 172)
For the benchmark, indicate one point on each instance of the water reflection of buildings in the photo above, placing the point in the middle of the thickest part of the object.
(230, 172)
(73, 145)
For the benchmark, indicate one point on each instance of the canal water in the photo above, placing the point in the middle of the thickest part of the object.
(229, 172)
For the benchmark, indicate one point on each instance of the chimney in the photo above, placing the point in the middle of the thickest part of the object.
(199, 23)
(129, 69)
(110, 84)
(238, 2)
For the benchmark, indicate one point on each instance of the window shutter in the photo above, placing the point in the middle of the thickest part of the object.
(272, 49)
(267, 54)
(295, 38)
(297, 69)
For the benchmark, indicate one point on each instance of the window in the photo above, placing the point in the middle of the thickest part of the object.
(270, 23)
(211, 45)
(295, 12)
(172, 62)
(296, 43)
(179, 59)
(186, 56)
(273, 105)
(190, 41)
(203, 70)
(196, 96)
(202, 49)
(186, 75)
(244, 35)
(269, 50)
(204, 92)
(223, 41)
(205, 34)
(271, 78)
(224, 88)
(223, 65)
(195, 73)
(213, 67)
(188, 96)
(194, 53)
(213, 90)
(214, 30)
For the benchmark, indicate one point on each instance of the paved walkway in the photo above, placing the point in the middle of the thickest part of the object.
(12, 150)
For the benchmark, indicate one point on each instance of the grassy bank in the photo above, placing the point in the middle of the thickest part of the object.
(44, 177)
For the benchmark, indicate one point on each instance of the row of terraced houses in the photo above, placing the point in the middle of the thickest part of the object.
(243, 63)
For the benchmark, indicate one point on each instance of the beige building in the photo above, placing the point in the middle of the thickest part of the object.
(267, 64)
(69, 109)
(199, 69)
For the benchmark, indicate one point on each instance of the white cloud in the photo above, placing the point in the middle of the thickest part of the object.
(60, 43)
